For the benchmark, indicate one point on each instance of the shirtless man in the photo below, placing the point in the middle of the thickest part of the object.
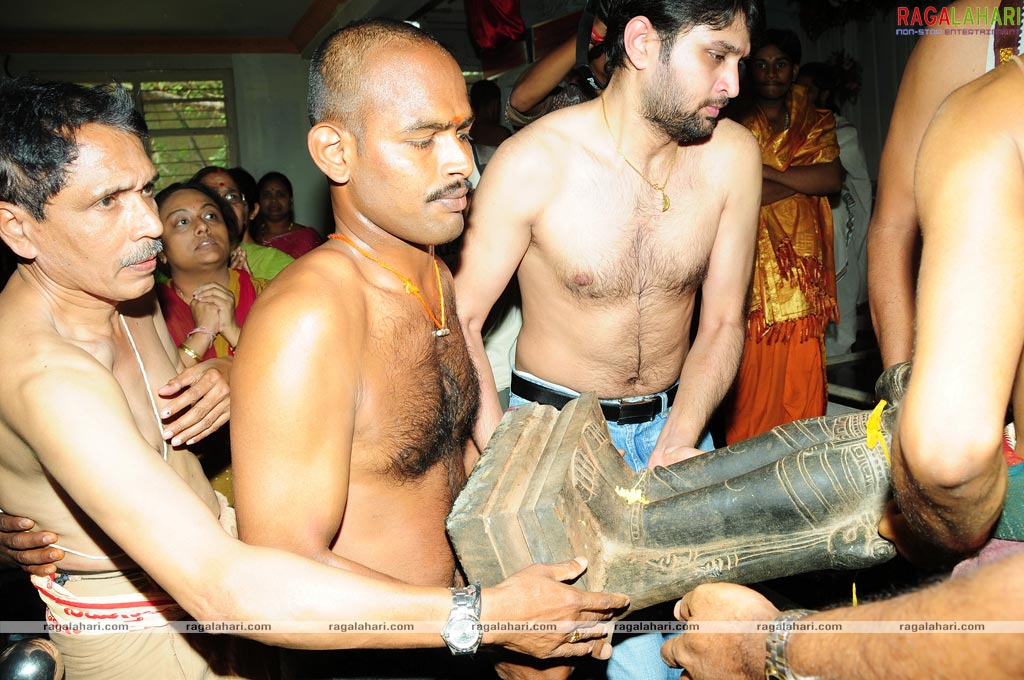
(938, 65)
(949, 475)
(356, 396)
(614, 213)
(81, 449)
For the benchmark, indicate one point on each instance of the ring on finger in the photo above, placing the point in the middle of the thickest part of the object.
(574, 637)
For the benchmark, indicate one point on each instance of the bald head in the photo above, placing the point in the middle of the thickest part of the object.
(338, 82)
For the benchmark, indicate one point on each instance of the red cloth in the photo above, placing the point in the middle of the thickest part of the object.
(178, 314)
(493, 23)
(296, 243)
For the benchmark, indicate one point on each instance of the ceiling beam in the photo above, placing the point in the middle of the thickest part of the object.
(79, 43)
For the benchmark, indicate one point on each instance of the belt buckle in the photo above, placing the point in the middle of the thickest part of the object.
(634, 410)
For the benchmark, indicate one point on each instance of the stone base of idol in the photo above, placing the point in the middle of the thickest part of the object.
(550, 486)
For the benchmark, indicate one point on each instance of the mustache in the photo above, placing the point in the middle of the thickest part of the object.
(447, 191)
(716, 103)
(145, 252)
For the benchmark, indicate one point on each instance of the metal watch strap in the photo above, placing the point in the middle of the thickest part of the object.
(462, 633)
(467, 597)
(776, 664)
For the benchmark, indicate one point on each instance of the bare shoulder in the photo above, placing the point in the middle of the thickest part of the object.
(319, 293)
(737, 139)
(938, 65)
(972, 155)
(541, 150)
(40, 367)
(982, 113)
(733, 152)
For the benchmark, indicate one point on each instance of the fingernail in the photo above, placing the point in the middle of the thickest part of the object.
(168, 434)
(52, 556)
(176, 441)
(165, 413)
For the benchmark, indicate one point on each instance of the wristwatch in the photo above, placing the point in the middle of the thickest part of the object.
(462, 632)
(776, 665)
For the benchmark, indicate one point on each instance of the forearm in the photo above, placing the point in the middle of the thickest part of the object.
(993, 593)
(892, 273)
(231, 333)
(708, 372)
(820, 179)
(261, 585)
(540, 79)
(773, 191)
(195, 345)
(489, 414)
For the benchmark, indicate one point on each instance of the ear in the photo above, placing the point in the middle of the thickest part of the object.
(254, 212)
(332, 148)
(16, 230)
(642, 42)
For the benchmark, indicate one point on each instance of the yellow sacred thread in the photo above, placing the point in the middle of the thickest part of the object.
(874, 435)
(855, 603)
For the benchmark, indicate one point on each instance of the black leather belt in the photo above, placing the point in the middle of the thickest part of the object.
(626, 411)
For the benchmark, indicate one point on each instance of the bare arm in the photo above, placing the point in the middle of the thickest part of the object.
(992, 593)
(500, 221)
(937, 66)
(290, 450)
(711, 364)
(948, 472)
(820, 179)
(773, 191)
(537, 82)
(102, 461)
(199, 397)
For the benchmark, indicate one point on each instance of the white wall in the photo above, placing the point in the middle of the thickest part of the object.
(270, 110)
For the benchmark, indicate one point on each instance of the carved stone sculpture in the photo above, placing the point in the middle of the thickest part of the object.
(806, 496)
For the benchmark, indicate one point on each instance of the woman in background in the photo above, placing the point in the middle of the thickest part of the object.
(238, 189)
(277, 227)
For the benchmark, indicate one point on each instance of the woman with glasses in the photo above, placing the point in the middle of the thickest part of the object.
(238, 189)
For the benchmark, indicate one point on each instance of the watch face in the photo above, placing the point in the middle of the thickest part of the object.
(463, 633)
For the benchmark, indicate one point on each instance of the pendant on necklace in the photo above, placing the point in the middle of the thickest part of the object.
(441, 332)
(664, 202)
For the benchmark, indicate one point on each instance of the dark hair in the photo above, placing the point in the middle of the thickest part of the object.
(246, 184)
(485, 100)
(840, 75)
(669, 17)
(786, 40)
(208, 170)
(39, 121)
(336, 71)
(482, 93)
(226, 213)
(824, 78)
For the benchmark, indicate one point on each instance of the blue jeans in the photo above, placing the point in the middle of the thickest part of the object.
(636, 440)
(637, 657)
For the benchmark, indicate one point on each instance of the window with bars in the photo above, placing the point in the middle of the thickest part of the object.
(190, 118)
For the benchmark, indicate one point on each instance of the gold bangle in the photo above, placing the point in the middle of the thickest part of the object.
(190, 352)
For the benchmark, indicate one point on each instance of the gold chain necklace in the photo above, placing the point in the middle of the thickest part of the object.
(410, 287)
(665, 204)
